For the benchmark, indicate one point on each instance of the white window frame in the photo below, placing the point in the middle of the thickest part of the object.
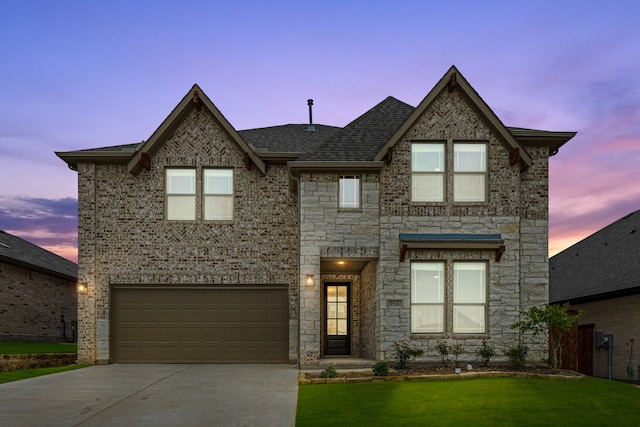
(474, 305)
(428, 309)
(470, 173)
(420, 175)
(180, 203)
(217, 197)
(349, 185)
(452, 300)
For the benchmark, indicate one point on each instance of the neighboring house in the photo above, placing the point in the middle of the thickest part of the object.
(601, 275)
(300, 242)
(37, 292)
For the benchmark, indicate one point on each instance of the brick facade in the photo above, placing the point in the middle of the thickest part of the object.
(32, 303)
(287, 226)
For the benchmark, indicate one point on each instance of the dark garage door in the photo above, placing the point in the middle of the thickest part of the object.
(199, 325)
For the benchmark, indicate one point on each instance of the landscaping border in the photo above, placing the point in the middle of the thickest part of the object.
(438, 377)
(17, 362)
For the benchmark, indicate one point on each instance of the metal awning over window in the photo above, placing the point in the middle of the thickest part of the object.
(451, 241)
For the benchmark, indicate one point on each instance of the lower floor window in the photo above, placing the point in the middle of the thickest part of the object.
(453, 289)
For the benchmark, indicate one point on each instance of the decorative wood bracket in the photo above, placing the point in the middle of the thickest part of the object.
(403, 252)
(499, 252)
(389, 158)
(196, 100)
(452, 82)
(145, 160)
(514, 156)
(247, 161)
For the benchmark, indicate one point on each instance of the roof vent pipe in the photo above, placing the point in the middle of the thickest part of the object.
(310, 104)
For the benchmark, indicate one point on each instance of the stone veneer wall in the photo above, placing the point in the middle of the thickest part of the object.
(125, 239)
(514, 283)
(32, 303)
(329, 232)
(368, 309)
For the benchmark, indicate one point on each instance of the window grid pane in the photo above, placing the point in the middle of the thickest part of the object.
(427, 187)
(349, 191)
(469, 187)
(218, 181)
(427, 297)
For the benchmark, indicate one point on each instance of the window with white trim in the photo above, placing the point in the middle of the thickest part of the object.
(349, 192)
(218, 194)
(427, 172)
(469, 172)
(463, 300)
(181, 194)
(469, 297)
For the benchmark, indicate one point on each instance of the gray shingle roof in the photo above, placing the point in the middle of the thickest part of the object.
(14, 250)
(605, 264)
(292, 138)
(361, 139)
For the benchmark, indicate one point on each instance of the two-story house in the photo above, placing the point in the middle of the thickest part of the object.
(299, 242)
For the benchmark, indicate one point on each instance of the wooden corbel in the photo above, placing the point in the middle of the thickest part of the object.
(499, 252)
(389, 158)
(452, 82)
(514, 156)
(145, 160)
(247, 161)
(403, 252)
(196, 100)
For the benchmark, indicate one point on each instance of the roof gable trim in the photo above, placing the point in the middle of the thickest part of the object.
(194, 99)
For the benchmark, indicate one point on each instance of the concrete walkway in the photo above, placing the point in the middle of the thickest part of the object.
(155, 395)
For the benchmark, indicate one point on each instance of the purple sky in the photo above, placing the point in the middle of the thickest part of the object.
(84, 74)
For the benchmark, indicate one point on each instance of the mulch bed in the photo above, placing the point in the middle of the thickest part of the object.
(440, 370)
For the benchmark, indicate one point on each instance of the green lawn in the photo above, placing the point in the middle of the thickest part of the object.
(7, 377)
(9, 347)
(475, 402)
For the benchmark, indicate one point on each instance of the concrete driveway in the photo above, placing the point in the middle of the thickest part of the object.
(155, 395)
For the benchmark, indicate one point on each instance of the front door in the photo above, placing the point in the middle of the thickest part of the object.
(336, 325)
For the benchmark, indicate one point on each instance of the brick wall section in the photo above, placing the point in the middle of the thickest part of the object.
(617, 316)
(32, 303)
(126, 240)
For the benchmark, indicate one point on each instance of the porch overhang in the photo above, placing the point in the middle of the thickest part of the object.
(451, 242)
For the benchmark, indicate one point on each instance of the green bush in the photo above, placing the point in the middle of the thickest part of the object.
(456, 349)
(330, 372)
(443, 349)
(403, 351)
(517, 354)
(486, 352)
(381, 369)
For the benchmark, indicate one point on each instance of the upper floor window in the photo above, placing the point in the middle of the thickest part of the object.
(431, 166)
(182, 189)
(469, 172)
(427, 172)
(181, 194)
(349, 191)
(218, 194)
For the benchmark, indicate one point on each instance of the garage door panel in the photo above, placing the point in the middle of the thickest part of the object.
(160, 325)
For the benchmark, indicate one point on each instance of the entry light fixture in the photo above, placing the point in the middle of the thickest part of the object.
(82, 288)
(310, 280)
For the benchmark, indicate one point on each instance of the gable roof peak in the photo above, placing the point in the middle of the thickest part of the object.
(194, 99)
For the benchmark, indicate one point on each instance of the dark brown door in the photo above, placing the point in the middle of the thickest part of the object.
(585, 349)
(336, 325)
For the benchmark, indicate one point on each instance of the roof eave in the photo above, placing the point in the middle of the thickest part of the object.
(30, 266)
(335, 166)
(72, 158)
(542, 138)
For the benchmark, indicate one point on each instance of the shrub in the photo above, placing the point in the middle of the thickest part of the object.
(517, 354)
(444, 349)
(381, 369)
(330, 372)
(486, 352)
(456, 349)
(403, 351)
